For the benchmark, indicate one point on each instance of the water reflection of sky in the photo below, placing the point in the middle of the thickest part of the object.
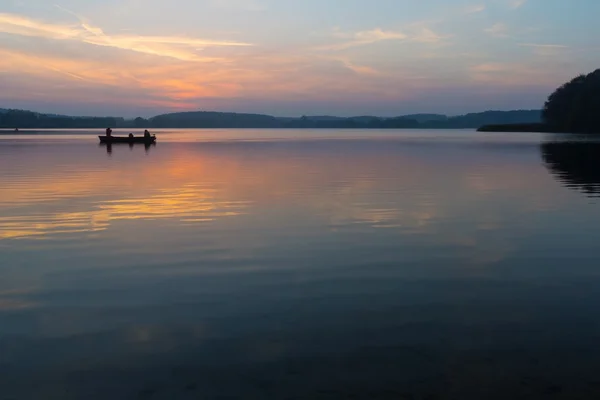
(186, 204)
(275, 254)
(474, 199)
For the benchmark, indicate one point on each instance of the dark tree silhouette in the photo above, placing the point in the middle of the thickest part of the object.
(575, 106)
(31, 120)
(574, 164)
(140, 122)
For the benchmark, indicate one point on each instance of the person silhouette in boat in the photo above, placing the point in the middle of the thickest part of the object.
(146, 134)
(108, 132)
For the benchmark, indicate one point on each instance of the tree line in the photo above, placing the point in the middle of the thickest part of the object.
(11, 119)
(21, 119)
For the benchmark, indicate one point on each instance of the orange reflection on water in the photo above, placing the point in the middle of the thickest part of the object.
(189, 204)
(50, 200)
(186, 204)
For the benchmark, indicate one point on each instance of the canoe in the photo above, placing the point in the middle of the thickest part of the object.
(126, 139)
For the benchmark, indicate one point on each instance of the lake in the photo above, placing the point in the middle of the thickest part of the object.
(291, 264)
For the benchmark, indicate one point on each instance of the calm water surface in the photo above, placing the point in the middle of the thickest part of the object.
(300, 265)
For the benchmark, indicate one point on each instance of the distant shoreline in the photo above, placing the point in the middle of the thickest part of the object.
(516, 128)
(533, 127)
(529, 128)
(23, 119)
(95, 131)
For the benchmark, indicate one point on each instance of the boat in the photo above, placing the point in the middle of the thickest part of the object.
(127, 139)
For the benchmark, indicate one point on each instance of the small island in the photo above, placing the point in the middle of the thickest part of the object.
(572, 108)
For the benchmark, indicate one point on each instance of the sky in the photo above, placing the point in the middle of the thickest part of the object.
(289, 57)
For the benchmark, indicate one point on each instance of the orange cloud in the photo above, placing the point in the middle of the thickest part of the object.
(182, 85)
(177, 47)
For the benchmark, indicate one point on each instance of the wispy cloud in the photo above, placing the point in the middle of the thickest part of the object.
(511, 73)
(358, 69)
(178, 47)
(18, 25)
(414, 33)
(498, 30)
(246, 5)
(423, 34)
(474, 9)
(514, 4)
(547, 46)
(368, 37)
(545, 49)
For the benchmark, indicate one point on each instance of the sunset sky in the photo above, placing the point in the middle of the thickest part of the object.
(288, 58)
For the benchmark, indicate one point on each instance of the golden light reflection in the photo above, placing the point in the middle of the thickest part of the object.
(188, 204)
(52, 199)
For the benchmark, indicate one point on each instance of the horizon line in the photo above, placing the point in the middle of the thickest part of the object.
(270, 115)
